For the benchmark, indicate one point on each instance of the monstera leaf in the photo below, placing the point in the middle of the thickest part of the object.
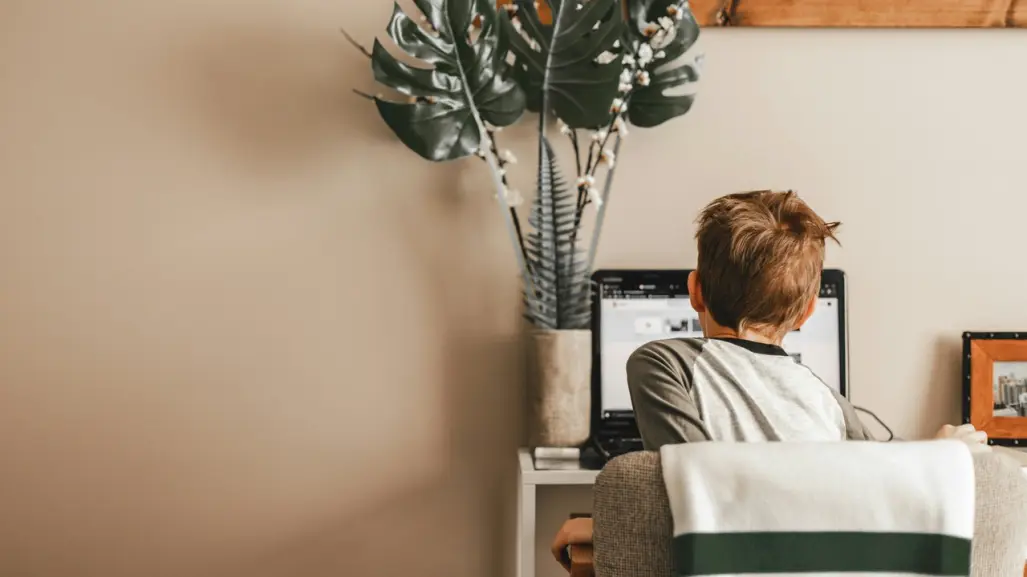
(665, 97)
(573, 64)
(460, 88)
(562, 291)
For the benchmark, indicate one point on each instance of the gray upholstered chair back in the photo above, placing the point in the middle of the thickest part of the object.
(633, 525)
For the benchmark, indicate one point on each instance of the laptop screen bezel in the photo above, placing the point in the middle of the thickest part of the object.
(639, 277)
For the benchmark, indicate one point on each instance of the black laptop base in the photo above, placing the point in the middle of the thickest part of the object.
(618, 435)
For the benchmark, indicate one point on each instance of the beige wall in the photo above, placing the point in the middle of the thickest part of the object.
(244, 333)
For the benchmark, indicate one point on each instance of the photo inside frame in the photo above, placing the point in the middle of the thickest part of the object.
(1009, 388)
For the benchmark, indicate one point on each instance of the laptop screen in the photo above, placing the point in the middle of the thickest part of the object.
(635, 309)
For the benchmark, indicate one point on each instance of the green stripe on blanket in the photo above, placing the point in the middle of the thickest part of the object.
(820, 552)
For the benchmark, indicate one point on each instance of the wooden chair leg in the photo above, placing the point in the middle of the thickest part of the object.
(581, 561)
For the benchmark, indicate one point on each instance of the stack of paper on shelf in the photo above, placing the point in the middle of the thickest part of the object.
(557, 458)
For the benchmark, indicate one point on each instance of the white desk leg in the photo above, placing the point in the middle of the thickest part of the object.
(526, 530)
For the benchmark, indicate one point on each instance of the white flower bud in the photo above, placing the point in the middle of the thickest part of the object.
(643, 78)
(645, 55)
(586, 181)
(507, 157)
(594, 196)
(608, 157)
(564, 129)
(621, 126)
(618, 105)
(513, 196)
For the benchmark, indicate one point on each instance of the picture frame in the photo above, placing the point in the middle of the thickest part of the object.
(851, 13)
(995, 385)
(862, 13)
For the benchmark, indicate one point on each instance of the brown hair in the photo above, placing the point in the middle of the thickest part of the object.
(760, 258)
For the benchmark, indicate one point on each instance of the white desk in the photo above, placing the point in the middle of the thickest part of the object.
(530, 479)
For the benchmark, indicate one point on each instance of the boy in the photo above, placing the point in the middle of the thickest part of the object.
(757, 279)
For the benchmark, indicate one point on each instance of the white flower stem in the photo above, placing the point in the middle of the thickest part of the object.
(504, 179)
(497, 181)
(577, 153)
(511, 226)
(597, 228)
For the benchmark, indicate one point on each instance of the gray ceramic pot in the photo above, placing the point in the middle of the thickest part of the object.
(560, 387)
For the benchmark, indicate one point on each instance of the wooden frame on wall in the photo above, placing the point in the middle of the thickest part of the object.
(862, 13)
(995, 385)
(855, 13)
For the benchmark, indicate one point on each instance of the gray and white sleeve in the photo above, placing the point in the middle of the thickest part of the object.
(855, 430)
(661, 395)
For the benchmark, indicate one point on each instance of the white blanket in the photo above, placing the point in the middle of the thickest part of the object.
(858, 508)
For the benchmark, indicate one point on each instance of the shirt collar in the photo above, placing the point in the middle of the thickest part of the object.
(754, 347)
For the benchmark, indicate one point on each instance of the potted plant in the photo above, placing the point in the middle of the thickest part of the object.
(589, 69)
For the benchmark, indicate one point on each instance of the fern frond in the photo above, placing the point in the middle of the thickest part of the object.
(562, 298)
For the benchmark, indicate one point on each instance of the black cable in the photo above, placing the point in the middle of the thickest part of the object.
(891, 435)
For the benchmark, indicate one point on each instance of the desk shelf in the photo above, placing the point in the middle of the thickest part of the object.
(533, 476)
(530, 479)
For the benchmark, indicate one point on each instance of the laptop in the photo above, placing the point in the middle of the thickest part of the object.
(634, 307)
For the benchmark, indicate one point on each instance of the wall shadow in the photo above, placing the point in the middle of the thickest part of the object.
(274, 103)
(460, 523)
(943, 405)
(475, 285)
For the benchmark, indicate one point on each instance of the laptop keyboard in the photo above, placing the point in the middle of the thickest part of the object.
(620, 446)
(619, 435)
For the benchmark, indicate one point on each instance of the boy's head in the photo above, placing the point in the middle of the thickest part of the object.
(760, 258)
